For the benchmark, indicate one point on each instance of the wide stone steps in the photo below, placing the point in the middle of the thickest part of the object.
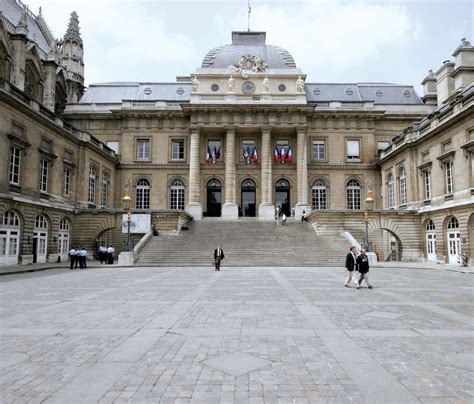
(246, 242)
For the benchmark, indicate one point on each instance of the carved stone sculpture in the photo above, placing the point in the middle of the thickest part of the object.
(195, 83)
(249, 64)
(230, 84)
(299, 85)
(266, 84)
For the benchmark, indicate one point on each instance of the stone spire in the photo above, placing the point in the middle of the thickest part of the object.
(22, 27)
(72, 33)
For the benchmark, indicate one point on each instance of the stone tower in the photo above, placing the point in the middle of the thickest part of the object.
(73, 59)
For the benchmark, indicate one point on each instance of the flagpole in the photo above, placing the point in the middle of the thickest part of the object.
(248, 16)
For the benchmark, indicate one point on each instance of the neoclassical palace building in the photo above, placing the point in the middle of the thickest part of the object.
(245, 133)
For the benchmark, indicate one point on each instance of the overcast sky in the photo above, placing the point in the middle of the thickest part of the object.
(331, 41)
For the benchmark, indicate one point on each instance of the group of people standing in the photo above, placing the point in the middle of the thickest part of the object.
(358, 263)
(78, 256)
(106, 254)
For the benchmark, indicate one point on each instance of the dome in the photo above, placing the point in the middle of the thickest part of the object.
(248, 43)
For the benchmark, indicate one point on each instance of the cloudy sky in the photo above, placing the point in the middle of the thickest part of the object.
(332, 41)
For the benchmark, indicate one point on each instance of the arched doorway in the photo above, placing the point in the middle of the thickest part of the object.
(282, 196)
(454, 241)
(63, 239)
(214, 198)
(386, 244)
(40, 239)
(249, 198)
(9, 238)
(430, 241)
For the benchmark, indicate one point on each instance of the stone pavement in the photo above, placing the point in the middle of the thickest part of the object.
(244, 335)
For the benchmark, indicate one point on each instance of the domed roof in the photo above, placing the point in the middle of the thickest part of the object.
(248, 43)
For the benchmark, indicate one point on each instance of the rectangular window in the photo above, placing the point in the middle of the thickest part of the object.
(247, 150)
(382, 145)
(448, 170)
(427, 183)
(319, 149)
(280, 144)
(15, 158)
(105, 190)
(177, 149)
(143, 149)
(44, 175)
(114, 145)
(67, 182)
(353, 150)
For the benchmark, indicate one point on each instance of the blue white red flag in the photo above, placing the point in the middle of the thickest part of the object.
(254, 155)
(276, 156)
(282, 155)
(290, 156)
(208, 155)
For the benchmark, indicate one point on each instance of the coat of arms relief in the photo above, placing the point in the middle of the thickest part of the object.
(249, 64)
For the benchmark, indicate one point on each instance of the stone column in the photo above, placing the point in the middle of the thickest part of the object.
(194, 206)
(301, 173)
(230, 209)
(266, 210)
(49, 93)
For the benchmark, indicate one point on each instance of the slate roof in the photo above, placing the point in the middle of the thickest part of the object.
(248, 43)
(114, 93)
(12, 11)
(379, 93)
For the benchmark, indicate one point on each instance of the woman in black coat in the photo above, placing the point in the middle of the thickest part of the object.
(363, 268)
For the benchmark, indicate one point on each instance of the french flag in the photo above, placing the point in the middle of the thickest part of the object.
(208, 156)
(282, 155)
(290, 156)
(245, 154)
(254, 156)
(277, 156)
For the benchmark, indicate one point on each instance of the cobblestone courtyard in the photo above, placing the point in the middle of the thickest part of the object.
(256, 335)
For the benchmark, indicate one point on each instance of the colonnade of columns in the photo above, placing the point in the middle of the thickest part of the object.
(266, 209)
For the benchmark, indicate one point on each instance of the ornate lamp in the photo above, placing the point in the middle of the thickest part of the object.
(126, 202)
(369, 207)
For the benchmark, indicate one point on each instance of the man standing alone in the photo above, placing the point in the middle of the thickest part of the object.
(218, 257)
(350, 264)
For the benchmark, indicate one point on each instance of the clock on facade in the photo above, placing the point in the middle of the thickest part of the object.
(248, 87)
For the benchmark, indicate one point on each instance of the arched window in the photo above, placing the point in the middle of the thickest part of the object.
(282, 184)
(353, 194)
(64, 225)
(248, 185)
(319, 194)
(402, 186)
(63, 239)
(390, 191)
(177, 195)
(453, 223)
(142, 195)
(92, 184)
(10, 218)
(430, 226)
(105, 189)
(41, 222)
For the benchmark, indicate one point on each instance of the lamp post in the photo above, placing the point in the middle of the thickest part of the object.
(126, 201)
(369, 207)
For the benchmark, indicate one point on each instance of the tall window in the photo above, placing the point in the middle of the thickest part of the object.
(353, 150)
(143, 149)
(319, 194)
(353, 194)
(448, 171)
(177, 149)
(427, 183)
(177, 195)
(44, 168)
(319, 149)
(67, 182)
(15, 158)
(92, 184)
(142, 195)
(390, 191)
(105, 189)
(402, 185)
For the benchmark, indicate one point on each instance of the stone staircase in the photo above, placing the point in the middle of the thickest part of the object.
(246, 242)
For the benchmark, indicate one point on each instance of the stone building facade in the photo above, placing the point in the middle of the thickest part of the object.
(244, 134)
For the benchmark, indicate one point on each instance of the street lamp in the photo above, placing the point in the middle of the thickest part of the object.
(126, 201)
(369, 207)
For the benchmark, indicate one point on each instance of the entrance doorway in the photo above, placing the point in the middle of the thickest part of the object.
(40, 239)
(9, 238)
(431, 241)
(214, 198)
(249, 198)
(282, 196)
(454, 241)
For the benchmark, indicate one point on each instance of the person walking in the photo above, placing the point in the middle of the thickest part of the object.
(351, 264)
(72, 257)
(363, 268)
(218, 257)
(110, 254)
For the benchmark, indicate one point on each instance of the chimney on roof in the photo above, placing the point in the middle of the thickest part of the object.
(463, 73)
(444, 81)
(429, 89)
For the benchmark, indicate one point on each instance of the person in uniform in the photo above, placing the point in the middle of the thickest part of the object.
(110, 254)
(102, 254)
(83, 258)
(72, 258)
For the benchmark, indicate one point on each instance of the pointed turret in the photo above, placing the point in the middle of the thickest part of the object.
(73, 59)
(22, 27)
